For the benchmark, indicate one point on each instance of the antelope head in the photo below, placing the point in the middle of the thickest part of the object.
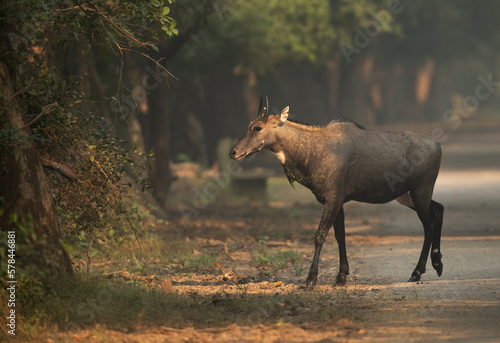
(261, 132)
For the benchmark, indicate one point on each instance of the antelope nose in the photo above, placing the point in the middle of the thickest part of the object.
(232, 153)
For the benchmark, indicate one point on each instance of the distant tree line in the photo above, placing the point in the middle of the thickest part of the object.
(374, 62)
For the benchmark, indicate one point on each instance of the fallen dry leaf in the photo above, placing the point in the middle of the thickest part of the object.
(166, 286)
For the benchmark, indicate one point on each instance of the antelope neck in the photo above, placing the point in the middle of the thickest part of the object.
(294, 142)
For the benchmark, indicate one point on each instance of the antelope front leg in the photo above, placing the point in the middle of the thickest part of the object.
(327, 219)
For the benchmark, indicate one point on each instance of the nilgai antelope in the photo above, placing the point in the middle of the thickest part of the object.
(341, 162)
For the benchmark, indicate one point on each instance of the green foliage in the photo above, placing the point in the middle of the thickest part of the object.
(270, 32)
(93, 176)
(107, 172)
(259, 36)
(255, 36)
(347, 15)
(182, 158)
(10, 139)
(113, 24)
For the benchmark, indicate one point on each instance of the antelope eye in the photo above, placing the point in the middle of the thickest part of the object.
(257, 128)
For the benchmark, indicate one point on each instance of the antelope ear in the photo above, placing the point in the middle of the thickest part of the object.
(284, 114)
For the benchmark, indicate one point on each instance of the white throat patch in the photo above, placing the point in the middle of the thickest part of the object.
(280, 155)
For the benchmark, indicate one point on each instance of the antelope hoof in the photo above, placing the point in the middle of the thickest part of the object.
(341, 279)
(310, 283)
(438, 266)
(415, 276)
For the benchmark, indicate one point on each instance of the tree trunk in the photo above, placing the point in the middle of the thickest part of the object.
(250, 95)
(423, 85)
(355, 96)
(156, 131)
(394, 94)
(333, 82)
(23, 186)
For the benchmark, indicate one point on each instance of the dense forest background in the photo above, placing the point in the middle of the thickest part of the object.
(374, 62)
(328, 60)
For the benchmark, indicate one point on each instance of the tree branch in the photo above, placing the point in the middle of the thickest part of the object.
(45, 110)
(152, 59)
(63, 169)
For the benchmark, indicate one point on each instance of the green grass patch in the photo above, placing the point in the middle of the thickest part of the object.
(193, 263)
(279, 260)
(89, 302)
(158, 254)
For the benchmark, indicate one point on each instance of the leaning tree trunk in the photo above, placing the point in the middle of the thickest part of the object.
(23, 186)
